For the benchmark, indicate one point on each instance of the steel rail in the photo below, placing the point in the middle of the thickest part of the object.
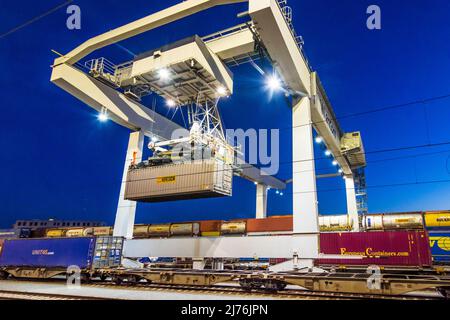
(21, 295)
(286, 293)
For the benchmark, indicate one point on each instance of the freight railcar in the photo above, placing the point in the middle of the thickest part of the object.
(46, 258)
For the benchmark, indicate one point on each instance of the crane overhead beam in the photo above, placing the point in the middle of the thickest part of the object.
(133, 115)
(158, 19)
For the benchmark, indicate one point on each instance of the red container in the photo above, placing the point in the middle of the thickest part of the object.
(210, 225)
(270, 224)
(384, 248)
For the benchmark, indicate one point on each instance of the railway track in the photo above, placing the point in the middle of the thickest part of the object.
(17, 295)
(235, 290)
(291, 294)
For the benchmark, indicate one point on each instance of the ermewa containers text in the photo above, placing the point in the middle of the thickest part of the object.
(388, 248)
(49, 253)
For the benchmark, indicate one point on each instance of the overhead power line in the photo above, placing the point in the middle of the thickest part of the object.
(39, 17)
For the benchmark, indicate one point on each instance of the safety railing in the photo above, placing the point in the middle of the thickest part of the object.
(123, 71)
(226, 32)
(288, 17)
(101, 66)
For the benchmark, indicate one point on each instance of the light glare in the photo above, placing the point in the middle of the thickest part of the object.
(221, 91)
(164, 74)
(319, 139)
(274, 83)
(103, 115)
(171, 103)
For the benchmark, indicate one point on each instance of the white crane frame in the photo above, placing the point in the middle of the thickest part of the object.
(310, 111)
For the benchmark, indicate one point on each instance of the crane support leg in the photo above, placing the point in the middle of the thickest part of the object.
(305, 205)
(261, 201)
(126, 210)
(352, 208)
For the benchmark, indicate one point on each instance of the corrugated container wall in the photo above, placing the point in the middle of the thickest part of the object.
(386, 248)
(197, 179)
(272, 224)
(61, 253)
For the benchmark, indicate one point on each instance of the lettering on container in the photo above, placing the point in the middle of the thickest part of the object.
(168, 179)
(442, 242)
(42, 252)
(370, 253)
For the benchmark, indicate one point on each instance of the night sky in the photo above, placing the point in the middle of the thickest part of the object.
(59, 161)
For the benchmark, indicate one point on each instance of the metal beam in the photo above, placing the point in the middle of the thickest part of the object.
(283, 246)
(158, 19)
(279, 41)
(261, 201)
(328, 175)
(121, 109)
(305, 205)
(352, 208)
(126, 210)
(254, 174)
(232, 42)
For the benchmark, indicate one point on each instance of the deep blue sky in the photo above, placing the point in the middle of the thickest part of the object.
(59, 161)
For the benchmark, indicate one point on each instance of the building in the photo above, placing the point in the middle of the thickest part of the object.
(51, 223)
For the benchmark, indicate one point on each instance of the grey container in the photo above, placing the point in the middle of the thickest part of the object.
(179, 181)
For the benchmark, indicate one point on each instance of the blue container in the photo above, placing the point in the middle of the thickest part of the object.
(8, 233)
(48, 253)
(440, 246)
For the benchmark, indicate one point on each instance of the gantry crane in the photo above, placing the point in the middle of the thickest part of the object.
(115, 91)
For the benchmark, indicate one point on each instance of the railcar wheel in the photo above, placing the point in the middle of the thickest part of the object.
(250, 284)
(445, 292)
(117, 280)
(132, 279)
(103, 277)
(3, 275)
(85, 278)
(274, 285)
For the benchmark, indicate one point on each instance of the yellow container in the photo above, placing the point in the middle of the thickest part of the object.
(210, 234)
(238, 227)
(159, 230)
(140, 231)
(55, 233)
(74, 233)
(102, 231)
(437, 219)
